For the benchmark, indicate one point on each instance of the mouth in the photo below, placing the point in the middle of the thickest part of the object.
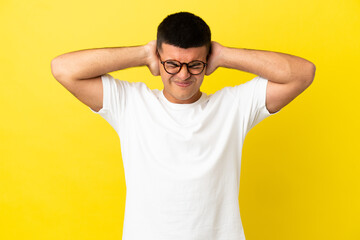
(183, 84)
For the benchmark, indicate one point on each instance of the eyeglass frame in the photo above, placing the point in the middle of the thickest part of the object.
(181, 64)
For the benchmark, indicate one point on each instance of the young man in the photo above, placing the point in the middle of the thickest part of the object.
(182, 148)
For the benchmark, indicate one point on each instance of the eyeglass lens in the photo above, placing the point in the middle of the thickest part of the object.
(195, 67)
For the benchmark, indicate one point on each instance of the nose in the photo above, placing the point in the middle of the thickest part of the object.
(184, 73)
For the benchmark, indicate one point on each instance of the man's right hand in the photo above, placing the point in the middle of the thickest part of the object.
(152, 59)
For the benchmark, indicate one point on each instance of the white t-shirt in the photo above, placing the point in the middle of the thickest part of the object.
(182, 161)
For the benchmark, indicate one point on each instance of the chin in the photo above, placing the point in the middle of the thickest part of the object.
(185, 98)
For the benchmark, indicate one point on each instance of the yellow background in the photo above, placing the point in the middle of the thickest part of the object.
(61, 174)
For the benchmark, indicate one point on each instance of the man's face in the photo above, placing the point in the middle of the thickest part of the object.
(182, 87)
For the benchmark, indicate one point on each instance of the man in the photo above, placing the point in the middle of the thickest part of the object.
(181, 148)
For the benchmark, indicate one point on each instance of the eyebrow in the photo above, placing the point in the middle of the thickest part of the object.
(171, 59)
(182, 62)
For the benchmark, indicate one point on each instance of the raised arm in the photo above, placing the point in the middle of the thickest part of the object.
(288, 75)
(80, 71)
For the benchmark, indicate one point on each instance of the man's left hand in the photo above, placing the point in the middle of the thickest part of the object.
(214, 60)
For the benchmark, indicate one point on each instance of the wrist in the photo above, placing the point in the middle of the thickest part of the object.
(146, 52)
(221, 56)
(149, 52)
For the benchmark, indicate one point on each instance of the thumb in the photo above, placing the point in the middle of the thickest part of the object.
(209, 70)
(154, 68)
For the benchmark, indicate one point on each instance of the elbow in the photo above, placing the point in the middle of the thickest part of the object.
(59, 69)
(309, 73)
(56, 68)
(312, 71)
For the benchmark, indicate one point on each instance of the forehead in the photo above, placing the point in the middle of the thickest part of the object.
(183, 54)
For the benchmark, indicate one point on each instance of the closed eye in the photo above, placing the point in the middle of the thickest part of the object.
(196, 65)
(172, 64)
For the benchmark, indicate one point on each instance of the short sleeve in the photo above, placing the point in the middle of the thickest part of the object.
(252, 97)
(114, 92)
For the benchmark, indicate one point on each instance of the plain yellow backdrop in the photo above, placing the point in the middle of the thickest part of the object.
(61, 173)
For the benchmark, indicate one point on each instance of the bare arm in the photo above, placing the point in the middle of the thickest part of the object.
(80, 71)
(288, 75)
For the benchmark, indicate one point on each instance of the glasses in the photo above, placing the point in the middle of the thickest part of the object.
(173, 66)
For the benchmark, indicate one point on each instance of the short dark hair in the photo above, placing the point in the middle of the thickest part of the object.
(184, 30)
